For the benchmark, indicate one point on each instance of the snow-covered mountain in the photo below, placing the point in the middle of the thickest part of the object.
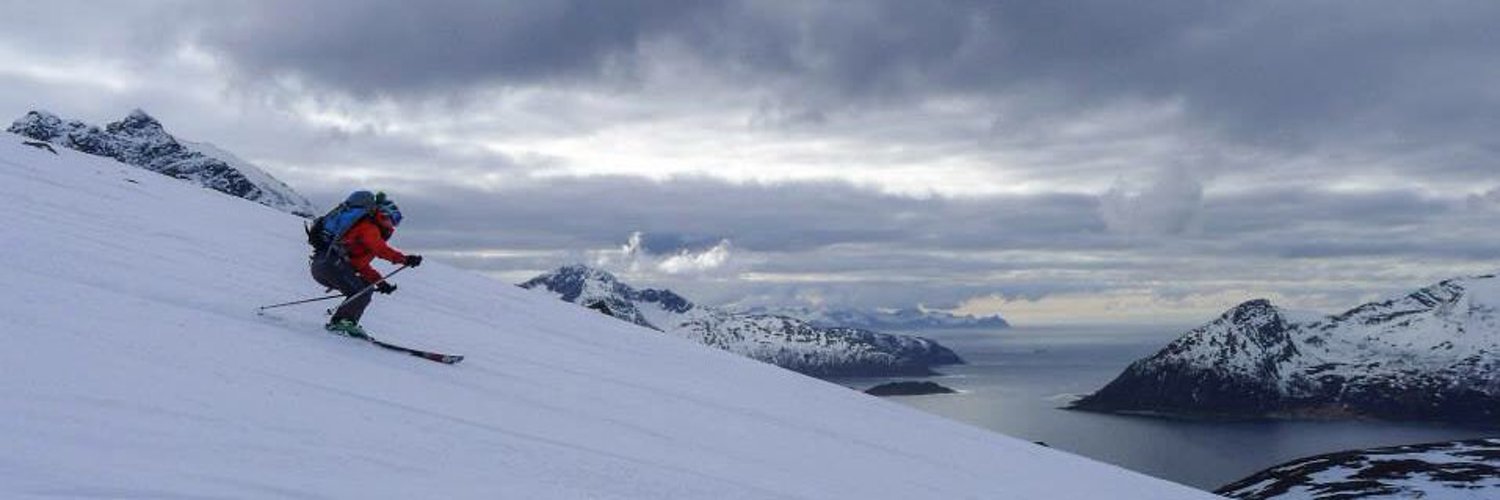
(1458, 469)
(135, 367)
(1430, 355)
(140, 140)
(782, 341)
(902, 320)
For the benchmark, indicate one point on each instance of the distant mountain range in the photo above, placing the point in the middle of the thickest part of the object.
(140, 140)
(909, 319)
(1431, 355)
(1458, 469)
(787, 342)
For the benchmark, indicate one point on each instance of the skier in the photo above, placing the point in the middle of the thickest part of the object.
(357, 231)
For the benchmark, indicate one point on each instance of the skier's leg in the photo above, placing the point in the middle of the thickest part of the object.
(349, 283)
(353, 309)
(333, 272)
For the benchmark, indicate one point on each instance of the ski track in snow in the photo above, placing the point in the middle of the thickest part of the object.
(135, 367)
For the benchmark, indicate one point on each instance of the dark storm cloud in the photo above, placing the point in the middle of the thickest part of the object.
(396, 47)
(1286, 73)
(1401, 81)
(1406, 81)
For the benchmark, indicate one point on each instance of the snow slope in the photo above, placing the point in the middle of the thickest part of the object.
(134, 367)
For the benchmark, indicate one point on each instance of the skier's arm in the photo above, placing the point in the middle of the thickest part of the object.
(378, 246)
(367, 272)
(368, 237)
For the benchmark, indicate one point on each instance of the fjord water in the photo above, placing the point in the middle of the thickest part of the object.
(1018, 379)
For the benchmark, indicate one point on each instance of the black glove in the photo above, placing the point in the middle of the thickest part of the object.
(385, 287)
(413, 260)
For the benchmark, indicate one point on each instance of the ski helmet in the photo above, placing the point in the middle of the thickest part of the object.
(360, 199)
(388, 208)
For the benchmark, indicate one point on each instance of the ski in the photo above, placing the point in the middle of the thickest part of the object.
(446, 359)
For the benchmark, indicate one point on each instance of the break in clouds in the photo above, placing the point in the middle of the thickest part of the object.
(1026, 157)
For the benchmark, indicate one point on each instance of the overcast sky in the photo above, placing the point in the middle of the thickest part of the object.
(1053, 161)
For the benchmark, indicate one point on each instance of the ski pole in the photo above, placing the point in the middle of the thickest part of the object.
(369, 288)
(366, 290)
(295, 302)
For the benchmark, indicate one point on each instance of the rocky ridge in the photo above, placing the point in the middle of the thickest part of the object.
(787, 342)
(904, 319)
(140, 140)
(1459, 469)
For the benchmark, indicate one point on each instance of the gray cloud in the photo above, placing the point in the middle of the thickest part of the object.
(141, 30)
(392, 47)
(1288, 73)
(1382, 86)
(1274, 209)
(1314, 149)
(1168, 204)
(851, 246)
(689, 212)
(595, 213)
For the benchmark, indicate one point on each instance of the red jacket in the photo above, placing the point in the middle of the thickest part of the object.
(366, 241)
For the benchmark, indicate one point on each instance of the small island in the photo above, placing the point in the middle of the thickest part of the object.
(908, 389)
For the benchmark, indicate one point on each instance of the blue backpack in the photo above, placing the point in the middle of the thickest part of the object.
(325, 232)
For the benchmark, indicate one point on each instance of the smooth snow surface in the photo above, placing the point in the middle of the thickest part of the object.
(135, 367)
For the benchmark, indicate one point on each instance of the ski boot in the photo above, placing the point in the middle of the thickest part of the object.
(347, 328)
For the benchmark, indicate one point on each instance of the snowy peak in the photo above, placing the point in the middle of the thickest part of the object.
(583, 284)
(1257, 322)
(1454, 322)
(783, 341)
(572, 278)
(1432, 299)
(1257, 312)
(42, 126)
(598, 289)
(1246, 341)
(141, 140)
(667, 299)
(1427, 355)
(137, 124)
(579, 282)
